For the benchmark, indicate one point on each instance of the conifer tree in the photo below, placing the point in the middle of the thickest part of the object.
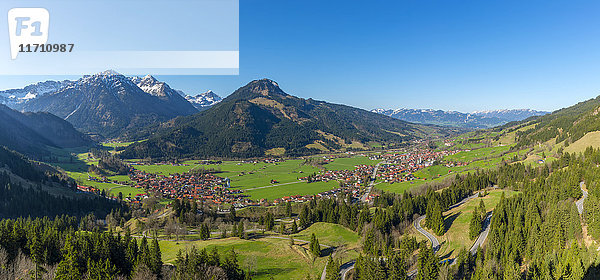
(69, 268)
(314, 246)
(475, 225)
(435, 219)
(396, 268)
(428, 264)
(155, 258)
(332, 270)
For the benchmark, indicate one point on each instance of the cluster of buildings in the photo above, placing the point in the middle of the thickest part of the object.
(206, 187)
(351, 192)
(264, 160)
(394, 167)
(399, 167)
(158, 163)
(358, 175)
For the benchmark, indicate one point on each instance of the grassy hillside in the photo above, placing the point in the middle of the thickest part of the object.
(271, 257)
(570, 124)
(591, 139)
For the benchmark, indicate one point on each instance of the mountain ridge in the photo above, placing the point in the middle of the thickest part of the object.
(260, 119)
(112, 105)
(475, 120)
(32, 133)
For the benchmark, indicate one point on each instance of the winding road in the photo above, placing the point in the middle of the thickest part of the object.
(435, 244)
(482, 236)
(579, 203)
(345, 268)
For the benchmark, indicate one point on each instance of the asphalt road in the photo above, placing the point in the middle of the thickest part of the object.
(364, 197)
(345, 268)
(579, 203)
(435, 244)
(483, 235)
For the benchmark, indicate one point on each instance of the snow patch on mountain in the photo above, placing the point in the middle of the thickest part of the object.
(13, 97)
(204, 100)
(510, 114)
(477, 119)
(153, 87)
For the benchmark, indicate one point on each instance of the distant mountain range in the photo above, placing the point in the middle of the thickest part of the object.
(510, 115)
(13, 97)
(261, 119)
(475, 120)
(107, 104)
(33, 133)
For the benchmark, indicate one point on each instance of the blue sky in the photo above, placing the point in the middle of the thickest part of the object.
(451, 55)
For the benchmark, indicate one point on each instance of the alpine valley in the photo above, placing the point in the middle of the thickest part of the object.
(131, 158)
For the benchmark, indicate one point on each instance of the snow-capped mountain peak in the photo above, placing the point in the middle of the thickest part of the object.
(477, 119)
(150, 85)
(13, 97)
(117, 84)
(509, 114)
(109, 72)
(204, 100)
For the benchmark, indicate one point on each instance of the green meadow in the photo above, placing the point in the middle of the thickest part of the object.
(273, 257)
(296, 188)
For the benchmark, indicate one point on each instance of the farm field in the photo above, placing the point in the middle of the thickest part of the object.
(117, 144)
(243, 175)
(330, 234)
(168, 169)
(111, 188)
(434, 171)
(466, 156)
(294, 188)
(399, 187)
(256, 178)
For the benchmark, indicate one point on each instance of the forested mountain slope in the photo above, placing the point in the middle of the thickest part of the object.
(260, 119)
(32, 189)
(569, 123)
(32, 133)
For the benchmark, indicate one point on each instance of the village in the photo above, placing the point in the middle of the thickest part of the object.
(400, 166)
(212, 189)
